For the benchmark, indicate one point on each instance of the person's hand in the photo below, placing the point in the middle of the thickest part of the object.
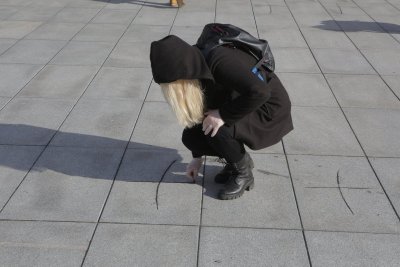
(212, 122)
(192, 169)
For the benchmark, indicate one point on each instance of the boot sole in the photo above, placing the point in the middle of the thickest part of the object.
(239, 194)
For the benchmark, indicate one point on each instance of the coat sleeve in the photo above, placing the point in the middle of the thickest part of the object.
(232, 69)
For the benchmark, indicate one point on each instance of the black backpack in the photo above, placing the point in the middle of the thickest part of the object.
(216, 34)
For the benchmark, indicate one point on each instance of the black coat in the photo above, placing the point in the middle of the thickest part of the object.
(259, 111)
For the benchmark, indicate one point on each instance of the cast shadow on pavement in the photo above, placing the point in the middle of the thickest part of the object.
(359, 26)
(138, 2)
(95, 157)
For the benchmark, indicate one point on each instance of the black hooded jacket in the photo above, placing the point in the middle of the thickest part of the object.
(259, 111)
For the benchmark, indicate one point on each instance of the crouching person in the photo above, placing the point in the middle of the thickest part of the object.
(222, 106)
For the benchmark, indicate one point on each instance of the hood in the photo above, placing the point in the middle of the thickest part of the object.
(173, 59)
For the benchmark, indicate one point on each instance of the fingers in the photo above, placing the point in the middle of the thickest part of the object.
(208, 129)
(189, 174)
(205, 124)
(214, 132)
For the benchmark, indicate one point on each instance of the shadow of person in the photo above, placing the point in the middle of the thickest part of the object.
(23, 147)
(138, 2)
(359, 26)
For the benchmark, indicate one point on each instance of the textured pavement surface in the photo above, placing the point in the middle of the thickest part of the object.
(92, 166)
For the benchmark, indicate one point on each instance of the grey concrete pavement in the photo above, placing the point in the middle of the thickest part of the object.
(92, 166)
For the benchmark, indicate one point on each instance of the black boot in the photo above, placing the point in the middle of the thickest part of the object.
(240, 180)
(223, 176)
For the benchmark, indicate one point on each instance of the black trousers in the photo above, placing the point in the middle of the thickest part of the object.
(222, 145)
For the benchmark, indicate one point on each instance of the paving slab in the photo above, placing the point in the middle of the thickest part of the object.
(389, 24)
(330, 199)
(260, 3)
(274, 149)
(242, 20)
(308, 89)
(143, 245)
(289, 37)
(87, 4)
(396, 36)
(359, 23)
(364, 91)
(313, 135)
(96, 32)
(166, 195)
(194, 18)
(340, 9)
(234, 7)
(15, 162)
(5, 44)
(395, 3)
(270, 204)
(32, 51)
(123, 17)
(318, 38)
(66, 82)
(374, 40)
(16, 2)
(4, 101)
(56, 31)
(120, 83)
(388, 170)
(15, 76)
(295, 60)
(322, 171)
(152, 16)
(245, 22)
(377, 129)
(155, 93)
(35, 13)
(189, 34)
(43, 243)
(353, 249)
(379, 9)
(306, 7)
(149, 33)
(205, 5)
(315, 20)
(50, 3)
(83, 53)
(66, 184)
(75, 14)
(157, 118)
(342, 61)
(386, 62)
(274, 17)
(7, 11)
(72, 179)
(150, 165)
(25, 121)
(251, 247)
(122, 5)
(99, 123)
(394, 83)
(130, 55)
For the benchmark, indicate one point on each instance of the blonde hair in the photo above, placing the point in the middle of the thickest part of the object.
(186, 99)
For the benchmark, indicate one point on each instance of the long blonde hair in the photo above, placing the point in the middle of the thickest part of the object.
(186, 99)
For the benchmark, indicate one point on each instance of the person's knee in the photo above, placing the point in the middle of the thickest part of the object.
(189, 138)
(186, 138)
(223, 134)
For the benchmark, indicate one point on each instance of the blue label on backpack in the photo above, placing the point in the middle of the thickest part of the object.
(257, 73)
